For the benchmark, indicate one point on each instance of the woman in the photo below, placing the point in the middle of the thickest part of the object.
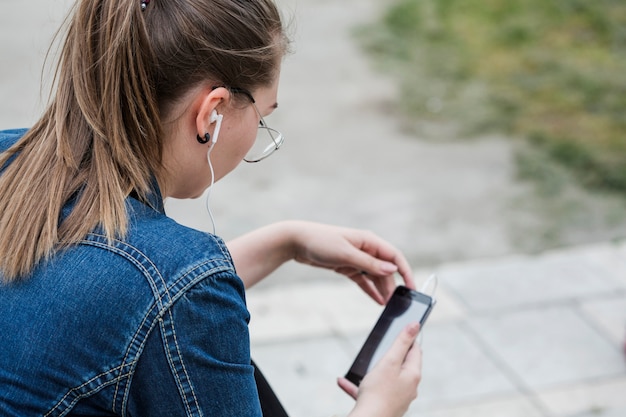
(110, 308)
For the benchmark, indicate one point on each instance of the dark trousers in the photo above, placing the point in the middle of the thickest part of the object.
(270, 404)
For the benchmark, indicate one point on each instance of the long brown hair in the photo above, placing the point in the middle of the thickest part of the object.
(101, 136)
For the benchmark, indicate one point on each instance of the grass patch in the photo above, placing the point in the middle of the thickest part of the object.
(550, 71)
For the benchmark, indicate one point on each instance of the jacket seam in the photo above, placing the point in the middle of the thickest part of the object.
(151, 281)
(183, 290)
(162, 307)
(74, 392)
(182, 383)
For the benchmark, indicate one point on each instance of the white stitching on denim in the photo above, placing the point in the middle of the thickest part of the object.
(170, 360)
(133, 259)
(198, 278)
(135, 362)
(149, 277)
(91, 381)
(93, 391)
(182, 363)
(162, 309)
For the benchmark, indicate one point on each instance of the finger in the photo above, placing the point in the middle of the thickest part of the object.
(399, 349)
(402, 265)
(386, 255)
(367, 286)
(413, 358)
(363, 280)
(371, 254)
(385, 286)
(405, 271)
(374, 266)
(348, 387)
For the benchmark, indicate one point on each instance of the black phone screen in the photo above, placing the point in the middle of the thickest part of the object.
(405, 306)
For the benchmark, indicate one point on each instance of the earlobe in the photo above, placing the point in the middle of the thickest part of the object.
(207, 114)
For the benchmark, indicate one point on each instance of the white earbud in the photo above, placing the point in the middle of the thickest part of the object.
(216, 118)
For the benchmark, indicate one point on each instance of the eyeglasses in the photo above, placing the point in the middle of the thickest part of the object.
(267, 139)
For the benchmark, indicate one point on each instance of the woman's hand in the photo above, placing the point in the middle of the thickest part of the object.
(362, 256)
(390, 387)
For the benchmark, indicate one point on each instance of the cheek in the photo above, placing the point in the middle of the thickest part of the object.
(234, 143)
(250, 135)
(230, 151)
(243, 138)
(246, 138)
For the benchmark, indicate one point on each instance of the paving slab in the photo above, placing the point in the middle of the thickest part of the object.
(310, 310)
(303, 374)
(520, 281)
(609, 258)
(586, 398)
(549, 346)
(617, 263)
(609, 315)
(457, 369)
(506, 406)
(604, 413)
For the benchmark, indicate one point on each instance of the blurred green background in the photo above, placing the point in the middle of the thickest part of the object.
(551, 73)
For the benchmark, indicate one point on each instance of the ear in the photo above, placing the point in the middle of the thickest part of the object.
(209, 101)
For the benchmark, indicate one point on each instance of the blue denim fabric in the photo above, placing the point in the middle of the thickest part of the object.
(151, 325)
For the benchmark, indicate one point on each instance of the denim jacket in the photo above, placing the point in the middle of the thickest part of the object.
(154, 324)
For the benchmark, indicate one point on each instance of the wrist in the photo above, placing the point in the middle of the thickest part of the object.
(286, 236)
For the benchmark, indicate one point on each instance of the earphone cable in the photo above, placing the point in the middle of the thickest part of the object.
(208, 195)
(434, 280)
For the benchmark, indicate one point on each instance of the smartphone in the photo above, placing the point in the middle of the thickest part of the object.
(405, 306)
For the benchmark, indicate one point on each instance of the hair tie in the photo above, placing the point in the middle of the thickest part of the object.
(144, 5)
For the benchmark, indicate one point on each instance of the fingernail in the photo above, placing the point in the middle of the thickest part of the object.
(388, 268)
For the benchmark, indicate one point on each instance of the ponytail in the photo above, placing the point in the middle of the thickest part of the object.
(98, 140)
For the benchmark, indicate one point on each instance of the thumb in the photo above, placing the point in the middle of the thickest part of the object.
(401, 346)
(349, 388)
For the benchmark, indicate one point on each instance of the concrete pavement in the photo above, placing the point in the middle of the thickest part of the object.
(514, 336)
